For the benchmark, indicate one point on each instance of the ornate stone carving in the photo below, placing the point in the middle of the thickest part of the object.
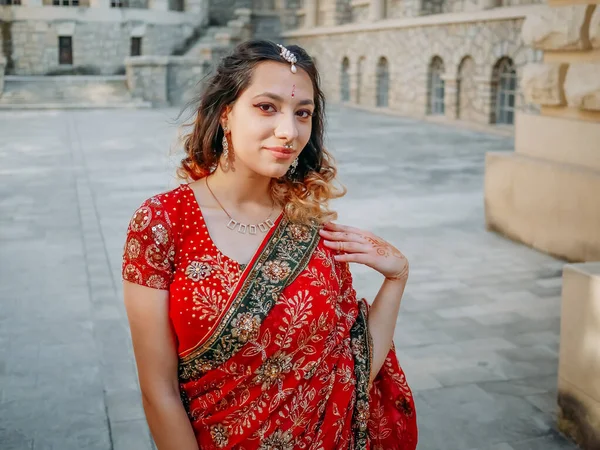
(542, 84)
(582, 86)
(559, 28)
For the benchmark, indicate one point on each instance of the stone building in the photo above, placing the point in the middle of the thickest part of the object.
(456, 59)
(450, 59)
(45, 37)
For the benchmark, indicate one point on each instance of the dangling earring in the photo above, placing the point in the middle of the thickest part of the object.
(225, 162)
(294, 166)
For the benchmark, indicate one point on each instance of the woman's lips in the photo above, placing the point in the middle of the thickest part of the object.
(281, 152)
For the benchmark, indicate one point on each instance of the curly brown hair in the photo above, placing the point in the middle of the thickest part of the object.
(304, 195)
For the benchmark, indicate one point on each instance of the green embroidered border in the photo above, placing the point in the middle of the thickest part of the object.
(362, 349)
(290, 246)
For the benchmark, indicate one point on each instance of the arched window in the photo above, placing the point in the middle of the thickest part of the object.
(383, 82)
(359, 76)
(467, 90)
(504, 89)
(435, 87)
(345, 80)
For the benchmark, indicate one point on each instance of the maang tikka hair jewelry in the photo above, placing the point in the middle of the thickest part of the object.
(225, 149)
(289, 57)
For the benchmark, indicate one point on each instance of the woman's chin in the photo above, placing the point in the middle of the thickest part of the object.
(275, 171)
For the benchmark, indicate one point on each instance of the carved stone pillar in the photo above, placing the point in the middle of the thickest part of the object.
(377, 10)
(311, 11)
(450, 96)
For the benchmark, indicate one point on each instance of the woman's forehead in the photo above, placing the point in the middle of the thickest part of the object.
(275, 77)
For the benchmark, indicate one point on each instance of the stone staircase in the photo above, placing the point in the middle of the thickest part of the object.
(67, 92)
(82, 91)
(218, 41)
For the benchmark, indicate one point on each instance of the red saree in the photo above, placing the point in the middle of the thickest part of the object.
(274, 355)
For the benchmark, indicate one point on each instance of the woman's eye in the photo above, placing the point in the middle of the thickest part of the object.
(265, 107)
(304, 114)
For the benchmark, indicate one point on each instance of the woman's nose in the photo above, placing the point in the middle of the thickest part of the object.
(286, 127)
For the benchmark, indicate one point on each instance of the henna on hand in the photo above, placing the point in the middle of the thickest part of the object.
(384, 248)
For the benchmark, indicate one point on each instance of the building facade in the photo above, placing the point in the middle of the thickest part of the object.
(93, 37)
(455, 59)
(449, 59)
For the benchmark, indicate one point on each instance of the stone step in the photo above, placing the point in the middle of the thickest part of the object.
(67, 92)
(216, 42)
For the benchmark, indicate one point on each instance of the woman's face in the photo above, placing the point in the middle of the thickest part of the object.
(276, 109)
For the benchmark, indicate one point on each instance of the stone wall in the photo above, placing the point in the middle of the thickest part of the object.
(185, 79)
(409, 51)
(267, 25)
(101, 38)
(165, 80)
(221, 11)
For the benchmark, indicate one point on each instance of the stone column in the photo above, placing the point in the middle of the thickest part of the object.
(450, 96)
(310, 11)
(484, 92)
(377, 10)
(326, 13)
(2, 68)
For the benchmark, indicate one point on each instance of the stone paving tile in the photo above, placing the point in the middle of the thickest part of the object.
(478, 328)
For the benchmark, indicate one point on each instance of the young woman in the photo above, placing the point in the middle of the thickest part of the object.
(246, 328)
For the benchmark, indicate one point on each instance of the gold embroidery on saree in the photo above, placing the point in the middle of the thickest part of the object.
(362, 351)
(283, 258)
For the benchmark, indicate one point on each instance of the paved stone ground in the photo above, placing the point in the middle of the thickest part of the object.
(478, 330)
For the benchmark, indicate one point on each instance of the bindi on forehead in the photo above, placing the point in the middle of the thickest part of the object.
(293, 91)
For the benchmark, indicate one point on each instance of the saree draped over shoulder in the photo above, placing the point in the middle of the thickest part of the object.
(272, 355)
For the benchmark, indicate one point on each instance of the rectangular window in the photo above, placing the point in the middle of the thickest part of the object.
(9, 2)
(65, 2)
(136, 46)
(65, 50)
(118, 4)
(176, 5)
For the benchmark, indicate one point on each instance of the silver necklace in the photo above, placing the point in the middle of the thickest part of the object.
(240, 227)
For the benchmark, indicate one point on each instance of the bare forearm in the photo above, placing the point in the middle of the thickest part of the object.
(169, 423)
(382, 320)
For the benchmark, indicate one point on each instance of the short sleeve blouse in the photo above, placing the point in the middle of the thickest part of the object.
(149, 248)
